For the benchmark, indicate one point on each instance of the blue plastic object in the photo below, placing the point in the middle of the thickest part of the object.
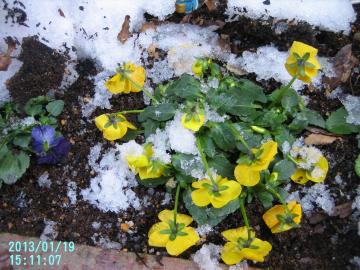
(186, 6)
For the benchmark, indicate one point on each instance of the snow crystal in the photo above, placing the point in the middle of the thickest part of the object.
(160, 71)
(21, 201)
(167, 199)
(44, 180)
(71, 192)
(309, 155)
(240, 266)
(268, 56)
(105, 242)
(213, 116)
(96, 225)
(204, 230)
(336, 93)
(111, 189)
(130, 148)
(94, 155)
(338, 179)
(356, 203)
(50, 231)
(317, 195)
(355, 261)
(352, 106)
(181, 139)
(161, 145)
(334, 15)
(207, 258)
(285, 147)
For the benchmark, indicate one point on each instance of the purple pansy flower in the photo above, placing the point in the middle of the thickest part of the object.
(49, 148)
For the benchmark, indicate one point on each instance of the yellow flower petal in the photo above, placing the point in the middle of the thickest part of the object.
(137, 161)
(167, 215)
(138, 78)
(323, 167)
(101, 120)
(227, 195)
(257, 254)
(199, 184)
(182, 243)
(302, 48)
(233, 235)
(299, 176)
(269, 150)
(231, 254)
(193, 124)
(110, 133)
(246, 176)
(115, 85)
(201, 197)
(156, 239)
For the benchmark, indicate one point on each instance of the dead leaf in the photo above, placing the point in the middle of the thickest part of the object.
(343, 210)
(236, 70)
(343, 62)
(5, 59)
(211, 4)
(152, 51)
(61, 13)
(124, 227)
(125, 33)
(320, 139)
(148, 25)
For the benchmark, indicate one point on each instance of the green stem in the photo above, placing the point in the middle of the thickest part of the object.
(246, 221)
(240, 138)
(204, 161)
(176, 202)
(141, 87)
(277, 195)
(131, 111)
(291, 82)
(292, 159)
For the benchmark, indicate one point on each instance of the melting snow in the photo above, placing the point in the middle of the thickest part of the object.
(352, 106)
(50, 231)
(207, 258)
(44, 180)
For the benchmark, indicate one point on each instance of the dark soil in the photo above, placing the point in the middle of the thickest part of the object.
(322, 242)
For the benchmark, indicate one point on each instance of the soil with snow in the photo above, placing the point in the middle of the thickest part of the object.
(322, 242)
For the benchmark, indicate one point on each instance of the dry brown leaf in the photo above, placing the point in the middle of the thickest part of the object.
(61, 13)
(125, 33)
(148, 25)
(343, 210)
(211, 4)
(152, 51)
(344, 62)
(318, 139)
(5, 59)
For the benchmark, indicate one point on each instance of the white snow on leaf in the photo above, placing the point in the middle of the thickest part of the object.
(352, 106)
(334, 15)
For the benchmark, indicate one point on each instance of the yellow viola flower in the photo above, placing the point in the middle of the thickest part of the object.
(132, 82)
(145, 165)
(218, 195)
(113, 126)
(193, 121)
(249, 174)
(176, 238)
(317, 173)
(302, 61)
(278, 220)
(241, 248)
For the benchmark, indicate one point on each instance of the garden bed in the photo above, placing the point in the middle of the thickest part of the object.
(324, 241)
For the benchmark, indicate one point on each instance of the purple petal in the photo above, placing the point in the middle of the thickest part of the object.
(58, 151)
(43, 134)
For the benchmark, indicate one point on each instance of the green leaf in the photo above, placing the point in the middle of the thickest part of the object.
(33, 110)
(209, 215)
(153, 182)
(222, 135)
(185, 163)
(150, 127)
(271, 118)
(290, 100)
(35, 105)
(357, 165)
(285, 168)
(160, 112)
(283, 135)
(336, 123)
(207, 144)
(186, 87)
(55, 107)
(13, 167)
(265, 198)
(184, 180)
(222, 166)
(314, 118)
(299, 122)
(252, 91)
(22, 140)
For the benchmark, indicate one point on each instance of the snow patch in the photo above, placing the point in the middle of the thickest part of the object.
(334, 15)
(50, 231)
(207, 258)
(44, 180)
(71, 192)
(352, 106)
